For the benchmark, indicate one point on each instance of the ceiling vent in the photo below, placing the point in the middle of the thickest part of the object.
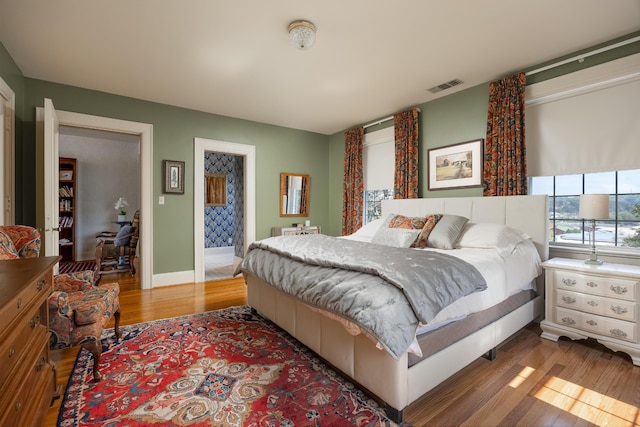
(444, 86)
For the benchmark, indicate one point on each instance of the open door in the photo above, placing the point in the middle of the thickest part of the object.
(47, 208)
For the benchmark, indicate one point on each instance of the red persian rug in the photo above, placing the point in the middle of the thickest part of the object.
(221, 368)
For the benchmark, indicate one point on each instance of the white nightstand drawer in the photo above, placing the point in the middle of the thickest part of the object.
(610, 307)
(619, 288)
(618, 329)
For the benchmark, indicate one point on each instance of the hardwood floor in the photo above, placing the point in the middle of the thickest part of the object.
(532, 382)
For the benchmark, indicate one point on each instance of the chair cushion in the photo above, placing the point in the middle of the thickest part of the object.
(124, 236)
(7, 248)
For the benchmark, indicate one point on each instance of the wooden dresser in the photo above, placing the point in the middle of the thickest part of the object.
(27, 376)
(596, 301)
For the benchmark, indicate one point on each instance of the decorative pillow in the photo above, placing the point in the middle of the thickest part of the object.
(396, 237)
(488, 235)
(446, 232)
(124, 236)
(401, 221)
(7, 248)
(429, 225)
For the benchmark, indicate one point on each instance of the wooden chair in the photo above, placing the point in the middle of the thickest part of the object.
(116, 252)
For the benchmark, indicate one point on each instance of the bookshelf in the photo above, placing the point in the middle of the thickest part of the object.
(67, 192)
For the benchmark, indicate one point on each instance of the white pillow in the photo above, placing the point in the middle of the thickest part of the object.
(488, 235)
(369, 230)
(396, 237)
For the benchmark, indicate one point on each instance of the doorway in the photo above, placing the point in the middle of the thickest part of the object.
(144, 132)
(203, 146)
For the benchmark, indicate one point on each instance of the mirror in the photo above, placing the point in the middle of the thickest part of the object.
(294, 194)
(215, 186)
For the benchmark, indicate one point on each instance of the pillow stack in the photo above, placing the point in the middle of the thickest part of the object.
(434, 230)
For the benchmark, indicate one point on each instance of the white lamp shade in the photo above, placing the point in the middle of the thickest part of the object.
(594, 206)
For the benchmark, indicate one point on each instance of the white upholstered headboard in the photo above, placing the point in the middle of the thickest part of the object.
(525, 213)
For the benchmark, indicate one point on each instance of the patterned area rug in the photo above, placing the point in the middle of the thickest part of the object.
(72, 267)
(221, 368)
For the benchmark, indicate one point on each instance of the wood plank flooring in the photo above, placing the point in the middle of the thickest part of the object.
(532, 382)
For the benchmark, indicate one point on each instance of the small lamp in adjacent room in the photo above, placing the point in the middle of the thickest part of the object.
(594, 206)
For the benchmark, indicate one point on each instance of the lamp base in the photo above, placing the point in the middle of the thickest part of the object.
(594, 261)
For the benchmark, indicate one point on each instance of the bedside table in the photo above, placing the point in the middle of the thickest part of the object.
(289, 231)
(596, 301)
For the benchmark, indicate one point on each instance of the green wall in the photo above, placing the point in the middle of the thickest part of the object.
(448, 120)
(278, 149)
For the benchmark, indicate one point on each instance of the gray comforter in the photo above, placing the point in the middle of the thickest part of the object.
(384, 290)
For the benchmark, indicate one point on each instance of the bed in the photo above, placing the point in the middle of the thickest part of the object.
(398, 378)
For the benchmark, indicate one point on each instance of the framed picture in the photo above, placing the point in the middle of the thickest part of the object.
(66, 175)
(215, 187)
(456, 166)
(173, 177)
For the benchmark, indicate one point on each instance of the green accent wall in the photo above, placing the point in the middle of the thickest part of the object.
(450, 119)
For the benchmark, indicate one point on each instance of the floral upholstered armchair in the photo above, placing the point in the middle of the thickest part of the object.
(78, 310)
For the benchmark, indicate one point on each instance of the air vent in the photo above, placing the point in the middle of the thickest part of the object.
(444, 86)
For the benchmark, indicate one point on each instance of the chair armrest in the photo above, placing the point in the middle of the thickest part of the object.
(59, 301)
(72, 282)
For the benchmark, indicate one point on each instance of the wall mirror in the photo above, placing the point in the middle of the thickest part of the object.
(215, 186)
(294, 194)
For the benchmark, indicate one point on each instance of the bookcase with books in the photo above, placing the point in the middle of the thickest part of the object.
(67, 200)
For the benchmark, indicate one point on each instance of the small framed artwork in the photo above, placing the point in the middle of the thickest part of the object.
(456, 166)
(173, 177)
(66, 175)
(215, 187)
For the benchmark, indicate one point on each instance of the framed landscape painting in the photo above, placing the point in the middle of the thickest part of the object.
(456, 166)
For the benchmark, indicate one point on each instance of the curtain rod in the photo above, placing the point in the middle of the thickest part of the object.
(583, 56)
(379, 121)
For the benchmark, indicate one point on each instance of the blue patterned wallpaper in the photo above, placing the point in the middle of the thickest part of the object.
(224, 224)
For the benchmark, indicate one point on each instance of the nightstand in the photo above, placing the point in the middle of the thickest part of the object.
(593, 301)
(291, 231)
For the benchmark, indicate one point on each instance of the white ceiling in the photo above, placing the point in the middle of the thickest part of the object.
(371, 58)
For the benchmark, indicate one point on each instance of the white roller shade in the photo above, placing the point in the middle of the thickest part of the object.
(379, 159)
(587, 121)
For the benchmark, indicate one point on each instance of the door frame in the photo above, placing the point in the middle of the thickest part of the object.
(145, 132)
(248, 152)
(7, 154)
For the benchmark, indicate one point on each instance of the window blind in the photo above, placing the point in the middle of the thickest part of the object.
(379, 159)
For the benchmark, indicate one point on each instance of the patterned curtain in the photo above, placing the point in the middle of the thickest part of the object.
(505, 167)
(352, 195)
(405, 182)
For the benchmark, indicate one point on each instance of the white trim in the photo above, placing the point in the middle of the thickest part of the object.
(145, 132)
(201, 145)
(7, 155)
(173, 278)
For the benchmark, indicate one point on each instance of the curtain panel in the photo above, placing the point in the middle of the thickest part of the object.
(406, 141)
(352, 194)
(505, 166)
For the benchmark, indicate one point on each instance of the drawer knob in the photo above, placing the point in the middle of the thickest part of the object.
(569, 282)
(618, 333)
(41, 364)
(619, 289)
(12, 351)
(592, 284)
(592, 303)
(592, 322)
(35, 321)
(619, 310)
(568, 299)
(40, 285)
(18, 406)
(19, 303)
(568, 321)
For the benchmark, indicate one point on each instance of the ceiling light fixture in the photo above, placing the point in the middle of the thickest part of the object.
(302, 34)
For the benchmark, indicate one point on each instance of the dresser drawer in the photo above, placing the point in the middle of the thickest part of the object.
(614, 328)
(28, 330)
(610, 307)
(35, 292)
(614, 287)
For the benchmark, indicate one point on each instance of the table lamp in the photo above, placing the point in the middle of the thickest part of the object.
(594, 206)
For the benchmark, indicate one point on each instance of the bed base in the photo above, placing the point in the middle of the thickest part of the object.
(394, 383)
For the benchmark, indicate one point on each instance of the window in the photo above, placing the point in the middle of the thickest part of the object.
(373, 203)
(378, 159)
(622, 229)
